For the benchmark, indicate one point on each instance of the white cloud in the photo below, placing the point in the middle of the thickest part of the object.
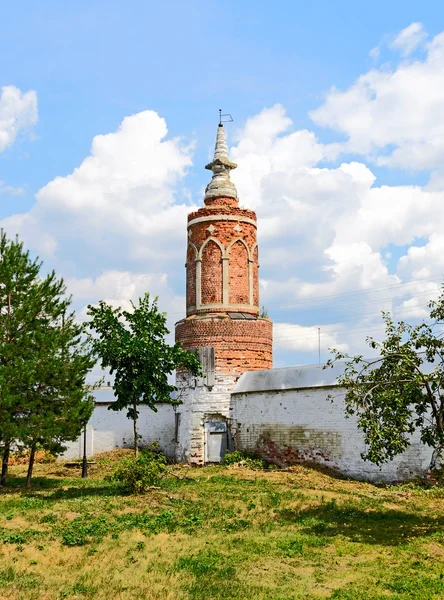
(426, 260)
(10, 190)
(18, 112)
(375, 52)
(409, 38)
(393, 116)
(120, 288)
(117, 222)
(324, 232)
(290, 336)
(121, 202)
(116, 226)
(309, 216)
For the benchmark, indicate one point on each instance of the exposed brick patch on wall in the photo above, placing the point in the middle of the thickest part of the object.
(297, 425)
(211, 274)
(284, 456)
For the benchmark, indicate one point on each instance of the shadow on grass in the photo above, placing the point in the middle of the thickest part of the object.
(82, 491)
(324, 470)
(61, 489)
(18, 485)
(385, 527)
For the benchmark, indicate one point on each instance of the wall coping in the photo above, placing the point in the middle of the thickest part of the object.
(288, 378)
(297, 377)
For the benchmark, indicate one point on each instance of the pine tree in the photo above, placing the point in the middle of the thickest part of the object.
(43, 358)
(132, 345)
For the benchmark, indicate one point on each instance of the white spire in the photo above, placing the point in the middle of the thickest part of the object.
(220, 185)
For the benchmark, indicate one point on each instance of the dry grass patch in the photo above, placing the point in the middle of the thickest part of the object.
(218, 533)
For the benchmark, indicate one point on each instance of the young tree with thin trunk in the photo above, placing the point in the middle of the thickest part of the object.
(132, 345)
(44, 359)
(402, 390)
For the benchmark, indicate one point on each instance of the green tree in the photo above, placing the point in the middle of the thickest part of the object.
(401, 391)
(132, 345)
(44, 358)
(58, 403)
(19, 307)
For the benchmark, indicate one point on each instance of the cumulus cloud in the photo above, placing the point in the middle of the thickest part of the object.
(336, 246)
(324, 233)
(115, 227)
(121, 202)
(18, 113)
(409, 38)
(393, 116)
(290, 336)
(305, 210)
(120, 288)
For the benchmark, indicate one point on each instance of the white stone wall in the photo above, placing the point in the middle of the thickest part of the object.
(301, 424)
(108, 430)
(200, 404)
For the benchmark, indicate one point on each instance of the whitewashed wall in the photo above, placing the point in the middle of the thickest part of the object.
(108, 430)
(200, 404)
(296, 423)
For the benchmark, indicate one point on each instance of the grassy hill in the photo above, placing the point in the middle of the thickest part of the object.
(218, 533)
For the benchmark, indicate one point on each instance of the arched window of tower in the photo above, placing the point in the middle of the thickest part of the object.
(211, 274)
(239, 274)
(191, 275)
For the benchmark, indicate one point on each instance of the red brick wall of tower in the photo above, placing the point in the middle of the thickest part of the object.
(239, 345)
(222, 273)
(223, 277)
(222, 259)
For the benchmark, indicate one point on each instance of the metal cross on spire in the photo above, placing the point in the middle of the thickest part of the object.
(221, 118)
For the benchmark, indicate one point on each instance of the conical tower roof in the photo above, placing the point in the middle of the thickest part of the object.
(220, 185)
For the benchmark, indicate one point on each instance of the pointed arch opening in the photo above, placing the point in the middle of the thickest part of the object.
(211, 291)
(191, 275)
(239, 275)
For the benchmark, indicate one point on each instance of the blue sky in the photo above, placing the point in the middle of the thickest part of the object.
(91, 64)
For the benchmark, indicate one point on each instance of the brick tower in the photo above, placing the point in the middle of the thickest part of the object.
(222, 301)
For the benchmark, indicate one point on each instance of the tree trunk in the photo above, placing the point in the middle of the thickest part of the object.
(5, 463)
(436, 462)
(136, 434)
(30, 467)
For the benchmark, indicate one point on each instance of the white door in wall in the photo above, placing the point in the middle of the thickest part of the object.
(216, 441)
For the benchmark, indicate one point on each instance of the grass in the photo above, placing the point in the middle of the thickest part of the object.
(220, 533)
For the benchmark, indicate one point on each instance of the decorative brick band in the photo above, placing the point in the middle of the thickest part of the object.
(240, 345)
(222, 218)
(224, 307)
(222, 261)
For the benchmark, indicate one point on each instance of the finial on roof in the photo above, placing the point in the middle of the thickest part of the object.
(220, 185)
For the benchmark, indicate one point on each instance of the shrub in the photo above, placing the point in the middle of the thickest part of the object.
(244, 459)
(139, 474)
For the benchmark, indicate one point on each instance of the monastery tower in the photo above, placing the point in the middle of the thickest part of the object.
(222, 301)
